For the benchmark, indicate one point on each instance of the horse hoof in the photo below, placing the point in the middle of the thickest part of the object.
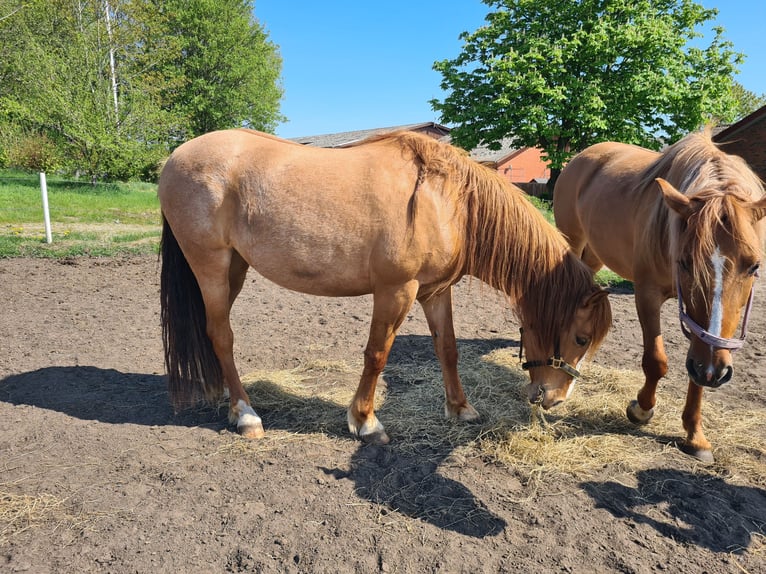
(377, 438)
(251, 431)
(249, 424)
(637, 415)
(371, 432)
(702, 454)
(465, 413)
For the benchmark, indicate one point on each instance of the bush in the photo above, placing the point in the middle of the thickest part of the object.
(34, 152)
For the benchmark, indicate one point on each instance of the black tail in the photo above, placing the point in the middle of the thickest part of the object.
(192, 366)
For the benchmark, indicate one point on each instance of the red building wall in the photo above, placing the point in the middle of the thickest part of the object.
(524, 166)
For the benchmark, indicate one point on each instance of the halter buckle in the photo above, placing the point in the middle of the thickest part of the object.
(557, 362)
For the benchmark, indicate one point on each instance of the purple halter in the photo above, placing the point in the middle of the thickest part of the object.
(689, 326)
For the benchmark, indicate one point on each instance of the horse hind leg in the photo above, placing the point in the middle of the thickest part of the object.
(438, 312)
(220, 280)
(390, 306)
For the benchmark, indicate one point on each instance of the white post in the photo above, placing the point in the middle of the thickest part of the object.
(46, 212)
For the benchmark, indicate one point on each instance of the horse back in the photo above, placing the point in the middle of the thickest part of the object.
(322, 221)
(600, 202)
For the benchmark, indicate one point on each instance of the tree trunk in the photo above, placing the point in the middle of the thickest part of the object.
(555, 173)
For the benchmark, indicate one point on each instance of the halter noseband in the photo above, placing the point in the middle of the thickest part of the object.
(689, 325)
(556, 361)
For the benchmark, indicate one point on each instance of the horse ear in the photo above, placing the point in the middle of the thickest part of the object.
(595, 297)
(675, 200)
(759, 209)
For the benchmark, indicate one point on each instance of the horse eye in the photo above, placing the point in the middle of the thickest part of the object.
(684, 265)
(754, 270)
(582, 341)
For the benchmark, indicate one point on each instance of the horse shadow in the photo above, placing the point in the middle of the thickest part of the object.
(395, 476)
(687, 507)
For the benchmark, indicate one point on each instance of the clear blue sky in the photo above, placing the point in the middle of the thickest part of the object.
(359, 64)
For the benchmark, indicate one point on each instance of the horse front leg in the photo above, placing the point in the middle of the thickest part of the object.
(695, 444)
(654, 361)
(390, 306)
(438, 311)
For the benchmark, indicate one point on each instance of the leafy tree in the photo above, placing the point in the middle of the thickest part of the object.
(564, 74)
(72, 85)
(226, 71)
(115, 84)
(747, 101)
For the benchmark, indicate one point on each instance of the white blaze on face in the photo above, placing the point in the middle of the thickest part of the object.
(716, 312)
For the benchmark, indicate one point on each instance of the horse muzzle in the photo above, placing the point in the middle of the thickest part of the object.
(710, 376)
(547, 399)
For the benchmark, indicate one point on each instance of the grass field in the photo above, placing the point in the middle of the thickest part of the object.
(105, 219)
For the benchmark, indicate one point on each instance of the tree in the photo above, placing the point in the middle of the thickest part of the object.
(115, 84)
(73, 84)
(747, 101)
(226, 70)
(564, 74)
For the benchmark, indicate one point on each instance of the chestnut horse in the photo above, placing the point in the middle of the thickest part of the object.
(402, 217)
(685, 223)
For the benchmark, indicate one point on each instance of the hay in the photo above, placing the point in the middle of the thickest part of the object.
(588, 435)
(20, 512)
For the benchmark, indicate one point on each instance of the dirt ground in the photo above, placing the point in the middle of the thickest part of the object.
(109, 479)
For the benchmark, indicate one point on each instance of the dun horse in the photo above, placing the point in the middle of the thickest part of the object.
(686, 223)
(402, 217)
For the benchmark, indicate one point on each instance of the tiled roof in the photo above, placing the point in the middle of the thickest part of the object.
(343, 139)
(483, 154)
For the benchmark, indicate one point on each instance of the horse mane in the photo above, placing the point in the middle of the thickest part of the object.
(507, 242)
(696, 167)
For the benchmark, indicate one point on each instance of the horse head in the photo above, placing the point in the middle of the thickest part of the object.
(552, 380)
(716, 254)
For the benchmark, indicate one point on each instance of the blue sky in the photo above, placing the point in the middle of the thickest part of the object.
(358, 64)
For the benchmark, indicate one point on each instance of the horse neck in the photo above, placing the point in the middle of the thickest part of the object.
(510, 245)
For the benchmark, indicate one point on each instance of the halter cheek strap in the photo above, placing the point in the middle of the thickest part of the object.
(555, 361)
(689, 326)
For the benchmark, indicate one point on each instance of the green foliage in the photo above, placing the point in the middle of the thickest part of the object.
(114, 85)
(747, 101)
(562, 75)
(226, 69)
(608, 278)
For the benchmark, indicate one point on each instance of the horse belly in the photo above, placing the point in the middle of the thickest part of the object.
(311, 266)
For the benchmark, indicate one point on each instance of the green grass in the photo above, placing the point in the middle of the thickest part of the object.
(105, 219)
(608, 278)
(77, 201)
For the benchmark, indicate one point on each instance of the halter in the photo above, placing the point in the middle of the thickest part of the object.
(556, 361)
(689, 325)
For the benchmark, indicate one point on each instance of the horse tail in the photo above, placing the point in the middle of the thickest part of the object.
(192, 366)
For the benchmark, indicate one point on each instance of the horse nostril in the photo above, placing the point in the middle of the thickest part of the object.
(725, 374)
(538, 398)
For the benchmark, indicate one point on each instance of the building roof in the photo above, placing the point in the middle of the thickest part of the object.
(343, 139)
(483, 154)
(745, 123)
